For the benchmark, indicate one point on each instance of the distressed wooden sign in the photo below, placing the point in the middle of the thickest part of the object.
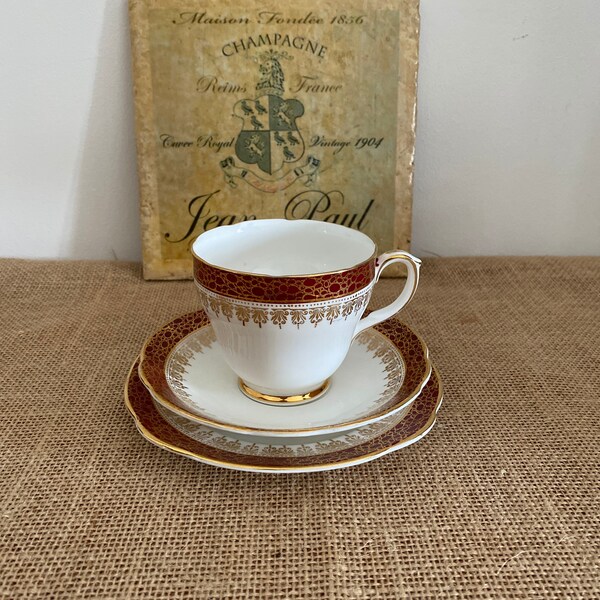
(250, 110)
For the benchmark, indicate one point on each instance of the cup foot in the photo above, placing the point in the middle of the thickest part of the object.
(294, 400)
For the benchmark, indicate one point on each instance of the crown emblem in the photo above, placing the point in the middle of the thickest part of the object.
(271, 73)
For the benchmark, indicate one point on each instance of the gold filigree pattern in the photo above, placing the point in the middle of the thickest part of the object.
(317, 315)
(332, 312)
(242, 314)
(192, 345)
(297, 315)
(260, 316)
(293, 289)
(235, 454)
(159, 346)
(179, 363)
(259, 446)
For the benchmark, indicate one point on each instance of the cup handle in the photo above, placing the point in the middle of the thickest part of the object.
(413, 265)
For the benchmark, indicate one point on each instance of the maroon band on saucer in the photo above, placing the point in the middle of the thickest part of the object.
(284, 290)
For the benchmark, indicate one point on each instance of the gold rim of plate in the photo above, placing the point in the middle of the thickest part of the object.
(284, 469)
(283, 432)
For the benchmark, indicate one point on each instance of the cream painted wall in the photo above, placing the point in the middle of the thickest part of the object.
(508, 136)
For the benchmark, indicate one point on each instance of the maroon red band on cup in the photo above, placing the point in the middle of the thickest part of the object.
(284, 290)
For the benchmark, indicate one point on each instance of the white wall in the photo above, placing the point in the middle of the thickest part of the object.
(68, 183)
(508, 135)
(508, 142)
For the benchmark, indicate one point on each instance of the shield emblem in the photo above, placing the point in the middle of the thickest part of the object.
(269, 136)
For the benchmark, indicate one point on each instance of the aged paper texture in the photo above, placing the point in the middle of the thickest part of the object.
(246, 110)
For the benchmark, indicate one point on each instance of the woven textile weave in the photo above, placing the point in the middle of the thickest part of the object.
(501, 500)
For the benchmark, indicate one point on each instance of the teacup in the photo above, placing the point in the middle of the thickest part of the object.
(285, 300)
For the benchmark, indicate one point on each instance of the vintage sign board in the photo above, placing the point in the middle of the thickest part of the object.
(254, 110)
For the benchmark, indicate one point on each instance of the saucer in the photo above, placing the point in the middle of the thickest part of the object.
(315, 444)
(255, 453)
(183, 368)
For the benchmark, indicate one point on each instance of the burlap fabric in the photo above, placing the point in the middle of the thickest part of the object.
(499, 501)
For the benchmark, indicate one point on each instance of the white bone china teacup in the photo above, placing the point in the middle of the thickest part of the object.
(285, 299)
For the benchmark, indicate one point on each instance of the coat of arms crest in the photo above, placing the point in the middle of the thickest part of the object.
(270, 138)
